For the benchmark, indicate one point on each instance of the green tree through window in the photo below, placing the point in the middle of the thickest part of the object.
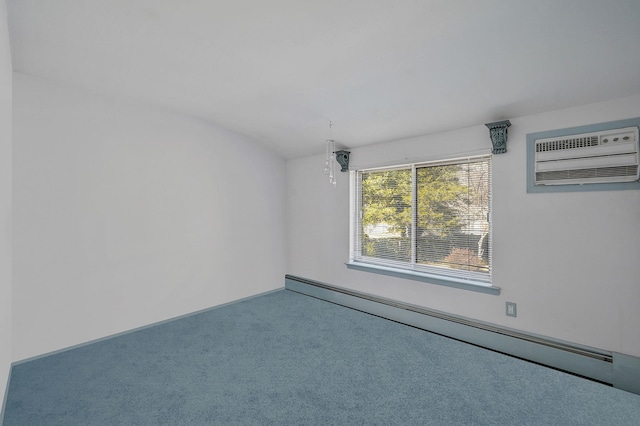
(386, 212)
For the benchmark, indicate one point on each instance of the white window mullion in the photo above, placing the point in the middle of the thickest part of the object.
(414, 215)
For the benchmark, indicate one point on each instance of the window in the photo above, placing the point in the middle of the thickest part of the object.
(430, 219)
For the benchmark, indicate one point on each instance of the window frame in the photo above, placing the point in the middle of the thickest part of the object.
(479, 282)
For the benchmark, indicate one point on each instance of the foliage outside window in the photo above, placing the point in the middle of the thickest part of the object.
(432, 218)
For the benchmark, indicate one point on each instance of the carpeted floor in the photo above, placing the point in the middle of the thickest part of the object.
(285, 358)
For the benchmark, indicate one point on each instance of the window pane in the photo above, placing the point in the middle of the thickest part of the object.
(386, 215)
(452, 218)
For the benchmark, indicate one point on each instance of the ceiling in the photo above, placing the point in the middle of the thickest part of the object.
(278, 71)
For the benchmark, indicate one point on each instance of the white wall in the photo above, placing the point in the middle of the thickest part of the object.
(569, 260)
(5, 200)
(125, 215)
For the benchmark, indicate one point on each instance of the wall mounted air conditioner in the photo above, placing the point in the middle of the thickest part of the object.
(599, 157)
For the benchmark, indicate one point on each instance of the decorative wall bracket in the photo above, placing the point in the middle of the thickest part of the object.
(498, 134)
(342, 157)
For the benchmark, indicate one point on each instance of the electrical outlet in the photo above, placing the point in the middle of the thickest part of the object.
(512, 310)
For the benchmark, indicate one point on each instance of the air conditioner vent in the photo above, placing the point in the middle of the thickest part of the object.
(600, 157)
(570, 143)
(581, 174)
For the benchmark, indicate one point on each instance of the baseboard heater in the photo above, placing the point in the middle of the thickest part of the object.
(611, 368)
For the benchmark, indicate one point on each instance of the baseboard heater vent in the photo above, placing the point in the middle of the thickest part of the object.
(589, 362)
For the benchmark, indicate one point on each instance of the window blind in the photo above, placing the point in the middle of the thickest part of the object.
(429, 217)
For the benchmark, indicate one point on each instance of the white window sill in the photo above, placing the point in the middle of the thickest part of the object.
(478, 286)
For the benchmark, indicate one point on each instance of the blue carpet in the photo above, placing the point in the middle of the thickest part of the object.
(285, 358)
